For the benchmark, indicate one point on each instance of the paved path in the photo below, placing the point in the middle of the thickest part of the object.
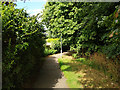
(50, 75)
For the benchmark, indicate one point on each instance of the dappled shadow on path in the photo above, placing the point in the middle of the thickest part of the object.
(48, 76)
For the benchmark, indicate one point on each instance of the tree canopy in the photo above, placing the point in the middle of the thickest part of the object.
(85, 26)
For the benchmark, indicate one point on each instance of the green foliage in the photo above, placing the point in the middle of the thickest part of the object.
(56, 45)
(75, 55)
(85, 26)
(22, 39)
(49, 51)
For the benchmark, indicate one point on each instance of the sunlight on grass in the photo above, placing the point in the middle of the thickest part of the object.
(64, 67)
(72, 77)
(84, 73)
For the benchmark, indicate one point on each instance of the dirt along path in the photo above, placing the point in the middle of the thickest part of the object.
(49, 76)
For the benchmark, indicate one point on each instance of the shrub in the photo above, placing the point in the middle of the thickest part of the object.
(22, 39)
(49, 51)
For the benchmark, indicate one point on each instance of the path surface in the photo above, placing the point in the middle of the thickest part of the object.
(50, 75)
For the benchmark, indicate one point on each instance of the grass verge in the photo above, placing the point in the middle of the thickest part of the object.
(83, 73)
(72, 77)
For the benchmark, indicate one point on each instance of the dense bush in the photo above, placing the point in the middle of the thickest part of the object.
(22, 44)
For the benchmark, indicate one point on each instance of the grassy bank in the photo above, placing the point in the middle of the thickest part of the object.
(83, 73)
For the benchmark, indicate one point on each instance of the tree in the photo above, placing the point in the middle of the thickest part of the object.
(84, 26)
